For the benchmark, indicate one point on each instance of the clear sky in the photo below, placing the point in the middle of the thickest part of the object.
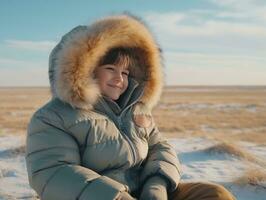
(205, 42)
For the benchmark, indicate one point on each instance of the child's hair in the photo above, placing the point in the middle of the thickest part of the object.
(123, 57)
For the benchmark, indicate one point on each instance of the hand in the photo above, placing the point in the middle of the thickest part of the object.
(125, 196)
(154, 189)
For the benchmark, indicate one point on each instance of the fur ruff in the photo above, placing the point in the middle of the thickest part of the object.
(73, 60)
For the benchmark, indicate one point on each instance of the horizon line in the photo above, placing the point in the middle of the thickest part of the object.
(204, 85)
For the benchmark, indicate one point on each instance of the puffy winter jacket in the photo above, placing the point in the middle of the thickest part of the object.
(81, 145)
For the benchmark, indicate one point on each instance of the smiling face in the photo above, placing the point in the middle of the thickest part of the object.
(113, 71)
(112, 80)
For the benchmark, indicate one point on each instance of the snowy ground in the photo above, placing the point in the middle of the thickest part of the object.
(198, 165)
(13, 175)
(222, 168)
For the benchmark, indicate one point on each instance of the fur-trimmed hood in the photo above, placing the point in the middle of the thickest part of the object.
(73, 60)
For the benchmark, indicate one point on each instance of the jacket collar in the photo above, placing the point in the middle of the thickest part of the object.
(131, 95)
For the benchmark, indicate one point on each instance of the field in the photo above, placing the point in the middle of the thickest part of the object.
(218, 132)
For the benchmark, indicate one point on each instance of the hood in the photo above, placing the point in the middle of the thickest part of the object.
(74, 58)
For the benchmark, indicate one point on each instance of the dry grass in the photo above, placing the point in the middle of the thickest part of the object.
(231, 114)
(253, 176)
(228, 113)
(237, 151)
(228, 148)
(17, 105)
(255, 136)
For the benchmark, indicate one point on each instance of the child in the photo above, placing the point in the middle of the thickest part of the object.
(96, 138)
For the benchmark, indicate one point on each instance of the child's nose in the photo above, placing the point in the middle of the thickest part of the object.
(119, 77)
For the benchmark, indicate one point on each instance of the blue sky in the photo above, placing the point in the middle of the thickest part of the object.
(205, 42)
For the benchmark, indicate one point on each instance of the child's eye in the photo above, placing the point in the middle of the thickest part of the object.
(110, 68)
(125, 73)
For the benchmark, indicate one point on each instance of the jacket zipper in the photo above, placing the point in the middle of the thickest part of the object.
(131, 145)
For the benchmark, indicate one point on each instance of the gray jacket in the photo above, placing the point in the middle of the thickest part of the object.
(81, 145)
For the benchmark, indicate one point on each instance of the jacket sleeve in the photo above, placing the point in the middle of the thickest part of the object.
(53, 165)
(161, 160)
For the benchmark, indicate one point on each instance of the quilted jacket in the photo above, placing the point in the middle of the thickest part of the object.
(81, 145)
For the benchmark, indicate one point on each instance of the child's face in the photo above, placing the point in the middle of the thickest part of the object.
(112, 79)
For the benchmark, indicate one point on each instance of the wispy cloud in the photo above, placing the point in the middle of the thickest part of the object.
(165, 18)
(229, 28)
(246, 9)
(198, 24)
(31, 45)
(239, 4)
(244, 18)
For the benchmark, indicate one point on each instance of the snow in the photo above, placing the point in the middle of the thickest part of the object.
(13, 177)
(200, 165)
(197, 165)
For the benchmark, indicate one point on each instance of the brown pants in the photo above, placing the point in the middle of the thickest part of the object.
(200, 191)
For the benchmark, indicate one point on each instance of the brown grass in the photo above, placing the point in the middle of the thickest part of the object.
(17, 105)
(235, 150)
(231, 113)
(199, 113)
(254, 176)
